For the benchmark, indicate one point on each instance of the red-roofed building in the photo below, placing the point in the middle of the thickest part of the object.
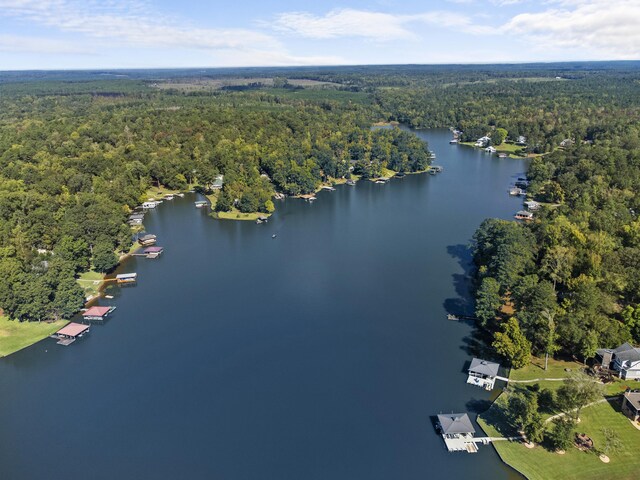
(97, 313)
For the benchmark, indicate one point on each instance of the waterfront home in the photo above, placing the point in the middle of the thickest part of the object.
(97, 312)
(135, 219)
(483, 141)
(70, 333)
(490, 150)
(532, 205)
(522, 140)
(153, 252)
(483, 373)
(524, 215)
(457, 432)
(631, 404)
(126, 278)
(625, 360)
(218, 182)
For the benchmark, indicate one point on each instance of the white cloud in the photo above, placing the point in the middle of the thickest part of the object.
(602, 28)
(134, 24)
(22, 44)
(372, 25)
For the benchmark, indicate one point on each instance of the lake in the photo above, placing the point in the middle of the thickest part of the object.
(320, 354)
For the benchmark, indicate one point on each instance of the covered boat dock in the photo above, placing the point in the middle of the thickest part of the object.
(126, 278)
(69, 334)
(97, 312)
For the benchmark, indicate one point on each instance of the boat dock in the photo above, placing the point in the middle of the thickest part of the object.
(459, 317)
(69, 334)
(126, 278)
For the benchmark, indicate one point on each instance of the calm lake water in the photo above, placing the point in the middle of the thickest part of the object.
(320, 354)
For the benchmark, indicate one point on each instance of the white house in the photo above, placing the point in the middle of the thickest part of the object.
(532, 205)
(522, 140)
(625, 360)
(483, 141)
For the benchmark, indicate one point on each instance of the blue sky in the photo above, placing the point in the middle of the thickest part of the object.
(60, 34)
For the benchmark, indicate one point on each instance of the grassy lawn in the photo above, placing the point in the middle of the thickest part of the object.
(16, 335)
(237, 215)
(556, 369)
(541, 464)
(90, 282)
(159, 192)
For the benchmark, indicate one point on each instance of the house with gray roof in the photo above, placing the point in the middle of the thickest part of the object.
(625, 360)
(631, 404)
(483, 373)
(457, 431)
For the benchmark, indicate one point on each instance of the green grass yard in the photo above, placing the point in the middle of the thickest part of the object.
(90, 282)
(16, 335)
(540, 464)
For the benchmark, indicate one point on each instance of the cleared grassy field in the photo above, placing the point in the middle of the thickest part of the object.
(556, 369)
(16, 335)
(541, 464)
(90, 282)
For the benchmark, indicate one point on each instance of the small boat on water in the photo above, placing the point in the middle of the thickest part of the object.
(168, 196)
(274, 235)
(400, 175)
(180, 195)
(453, 140)
(329, 188)
(516, 191)
(351, 183)
(311, 199)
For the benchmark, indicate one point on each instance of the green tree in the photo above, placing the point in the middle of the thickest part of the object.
(69, 298)
(560, 436)
(488, 300)
(576, 392)
(104, 259)
(498, 136)
(512, 344)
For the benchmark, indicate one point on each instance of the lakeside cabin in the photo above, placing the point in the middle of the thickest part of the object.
(70, 333)
(218, 182)
(135, 219)
(483, 373)
(631, 405)
(523, 215)
(532, 205)
(126, 278)
(153, 252)
(457, 432)
(97, 312)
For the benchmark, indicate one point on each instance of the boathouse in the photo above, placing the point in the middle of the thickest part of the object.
(200, 203)
(524, 215)
(126, 278)
(147, 239)
(457, 431)
(69, 334)
(153, 252)
(483, 373)
(150, 204)
(97, 312)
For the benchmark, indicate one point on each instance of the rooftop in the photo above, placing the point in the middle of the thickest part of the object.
(455, 423)
(73, 329)
(633, 398)
(96, 311)
(153, 250)
(484, 368)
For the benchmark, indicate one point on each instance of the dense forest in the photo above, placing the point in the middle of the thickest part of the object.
(79, 151)
(76, 158)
